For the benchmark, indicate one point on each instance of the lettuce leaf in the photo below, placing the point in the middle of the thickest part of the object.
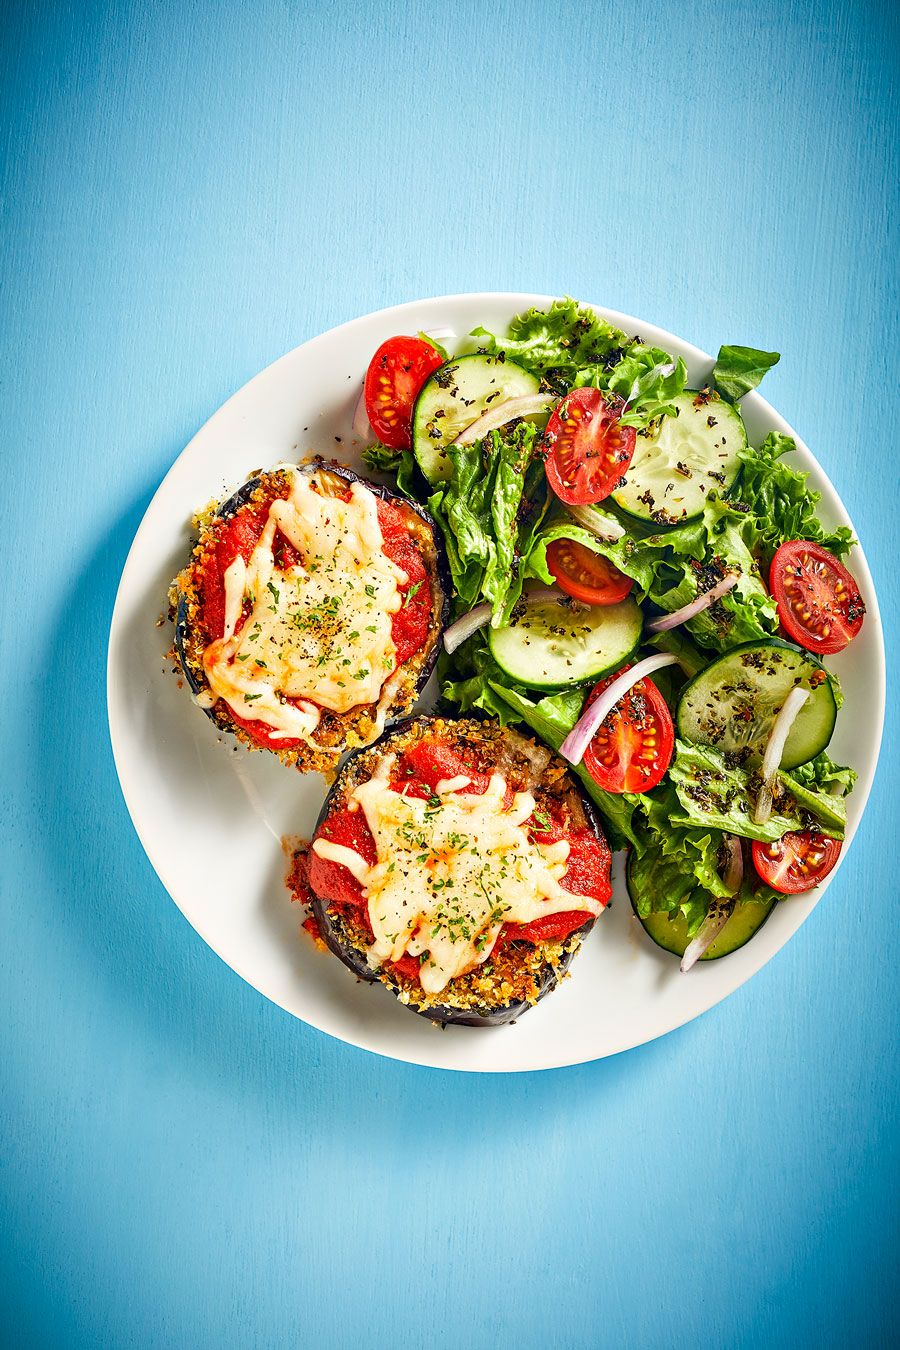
(778, 505)
(740, 369)
(647, 380)
(690, 659)
(714, 794)
(401, 463)
(558, 343)
(822, 774)
(488, 511)
(671, 568)
(470, 679)
(569, 346)
(677, 870)
(674, 866)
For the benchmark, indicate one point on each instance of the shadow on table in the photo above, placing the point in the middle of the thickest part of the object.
(141, 957)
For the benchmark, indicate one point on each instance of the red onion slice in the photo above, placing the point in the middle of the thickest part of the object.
(722, 911)
(697, 606)
(706, 935)
(527, 405)
(781, 729)
(590, 519)
(465, 626)
(585, 729)
(480, 616)
(734, 872)
(440, 334)
(361, 424)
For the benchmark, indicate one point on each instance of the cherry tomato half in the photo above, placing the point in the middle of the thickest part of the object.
(588, 448)
(819, 603)
(633, 745)
(586, 575)
(396, 373)
(796, 862)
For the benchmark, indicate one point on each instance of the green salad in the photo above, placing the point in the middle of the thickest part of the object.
(652, 594)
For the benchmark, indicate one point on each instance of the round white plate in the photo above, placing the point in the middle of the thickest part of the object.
(212, 815)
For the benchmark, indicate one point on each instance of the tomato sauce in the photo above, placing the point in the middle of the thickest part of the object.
(417, 773)
(410, 626)
(420, 768)
(412, 622)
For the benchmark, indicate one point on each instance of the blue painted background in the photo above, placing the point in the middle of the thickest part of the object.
(188, 191)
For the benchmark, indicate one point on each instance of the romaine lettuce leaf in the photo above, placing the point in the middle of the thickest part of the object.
(740, 369)
(713, 794)
(488, 511)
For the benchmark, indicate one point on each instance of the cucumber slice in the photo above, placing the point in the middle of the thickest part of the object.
(555, 645)
(452, 398)
(671, 933)
(676, 467)
(733, 702)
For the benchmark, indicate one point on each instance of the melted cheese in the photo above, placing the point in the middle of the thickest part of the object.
(318, 631)
(448, 876)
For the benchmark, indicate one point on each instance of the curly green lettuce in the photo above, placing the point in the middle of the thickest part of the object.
(569, 346)
(778, 505)
(401, 463)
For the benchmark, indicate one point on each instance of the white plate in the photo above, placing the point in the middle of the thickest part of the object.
(211, 815)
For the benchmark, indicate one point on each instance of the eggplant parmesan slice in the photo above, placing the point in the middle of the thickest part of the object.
(311, 610)
(458, 863)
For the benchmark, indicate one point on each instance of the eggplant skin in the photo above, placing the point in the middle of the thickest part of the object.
(547, 962)
(337, 732)
(336, 938)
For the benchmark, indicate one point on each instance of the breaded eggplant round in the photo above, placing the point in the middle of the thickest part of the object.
(458, 863)
(310, 613)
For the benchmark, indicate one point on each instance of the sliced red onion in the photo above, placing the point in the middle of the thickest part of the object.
(706, 935)
(697, 606)
(527, 405)
(465, 626)
(781, 729)
(440, 334)
(585, 729)
(589, 518)
(480, 616)
(734, 871)
(717, 918)
(361, 425)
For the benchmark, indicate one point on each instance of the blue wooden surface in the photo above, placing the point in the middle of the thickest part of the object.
(188, 191)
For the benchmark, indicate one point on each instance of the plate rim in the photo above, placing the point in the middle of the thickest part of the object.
(517, 301)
